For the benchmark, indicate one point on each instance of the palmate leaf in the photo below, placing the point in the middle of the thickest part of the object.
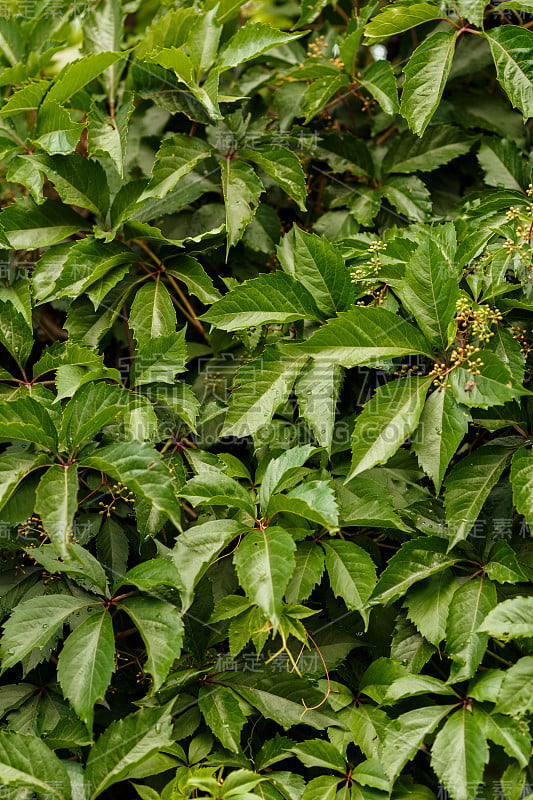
(465, 644)
(511, 48)
(468, 485)
(26, 761)
(86, 663)
(459, 753)
(126, 743)
(265, 562)
(425, 78)
(56, 502)
(386, 421)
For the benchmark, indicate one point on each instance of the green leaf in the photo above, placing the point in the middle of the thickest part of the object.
(430, 287)
(380, 81)
(322, 788)
(28, 226)
(317, 389)
(510, 46)
(80, 564)
(395, 19)
(439, 145)
(468, 485)
(314, 262)
(26, 99)
(161, 628)
(250, 41)
(386, 421)
(86, 663)
(242, 189)
(203, 39)
(404, 736)
(522, 482)
(284, 167)
(309, 568)
(77, 74)
(364, 335)
(428, 604)
(351, 572)
(56, 133)
(193, 275)
(124, 744)
(472, 10)
(493, 386)
(139, 467)
(265, 562)
(107, 136)
(159, 359)
(511, 619)
(466, 646)
(268, 298)
(262, 385)
(222, 713)
(34, 622)
(26, 761)
(176, 157)
(426, 74)
(509, 734)
(319, 92)
(409, 196)
(415, 560)
(515, 696)
(15, 333)
(459, 754)
(78, 181)
(443, 425)
(502, 564)
(92, 407)
(502, 164)
(280, 470)
(28, 420)
(318, 753)
(152, 313)
(314, 500)
(15, 463)
(217, 489)
(197, 548)
(56, 502)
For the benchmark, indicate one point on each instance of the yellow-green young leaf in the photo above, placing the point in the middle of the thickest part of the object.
(511, 49)
(322, 788)
(86, 663)
(34, 622)
(465, 643)
(364, 335)
(152, 312)
(284, 167)
(27, 763)
(222, 713)
(125, 744)
(425, 78)
(56, 502)
(262, 385)
(522, 482)
(175, 158)
(250, 41)
(56, 133)
(386, 421)
(467, 487)
(352, 573)
(441, 429)
(403, 736)
(161, 628)
(459, 754)
(511, 619)
(265, 562)
(415, 560)
(242, 189)
(395, 19)
(268, 298)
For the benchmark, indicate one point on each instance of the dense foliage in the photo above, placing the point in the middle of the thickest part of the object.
(266, 477)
